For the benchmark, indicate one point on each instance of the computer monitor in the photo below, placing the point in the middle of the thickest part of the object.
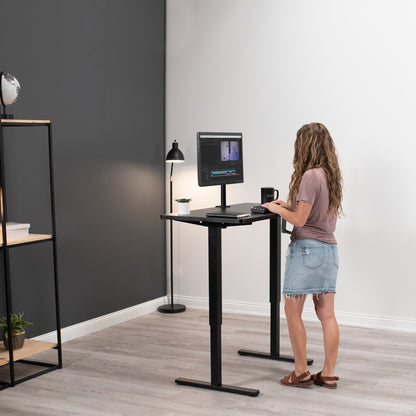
(220, 159)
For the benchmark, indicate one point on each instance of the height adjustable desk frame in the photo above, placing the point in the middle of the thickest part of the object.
(275, 298)
(215, 225)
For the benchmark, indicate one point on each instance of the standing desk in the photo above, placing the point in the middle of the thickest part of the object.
(215, 225)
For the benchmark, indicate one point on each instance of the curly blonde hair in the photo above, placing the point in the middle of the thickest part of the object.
(315, 148)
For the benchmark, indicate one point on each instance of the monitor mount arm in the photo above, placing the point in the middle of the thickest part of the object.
(223, 198)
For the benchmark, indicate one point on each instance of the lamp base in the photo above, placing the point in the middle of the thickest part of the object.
(172, 308)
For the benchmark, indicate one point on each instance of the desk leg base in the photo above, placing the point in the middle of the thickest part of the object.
(269, 356)
(223, 387)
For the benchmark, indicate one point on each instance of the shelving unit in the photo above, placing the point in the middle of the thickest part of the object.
(31, 347)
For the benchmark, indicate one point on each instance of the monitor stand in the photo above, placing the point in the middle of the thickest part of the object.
(223, 205)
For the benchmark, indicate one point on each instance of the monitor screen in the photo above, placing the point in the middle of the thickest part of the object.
(220, 158)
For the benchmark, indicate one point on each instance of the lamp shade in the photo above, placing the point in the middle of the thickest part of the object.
(175, 155)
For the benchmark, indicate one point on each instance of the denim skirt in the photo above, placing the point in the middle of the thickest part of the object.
(311, 267)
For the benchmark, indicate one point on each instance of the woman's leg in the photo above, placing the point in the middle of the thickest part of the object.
(297, 333)
(324, 307)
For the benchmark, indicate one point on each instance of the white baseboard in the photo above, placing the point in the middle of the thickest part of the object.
(244, 308)
(105, 321)
(349, 319)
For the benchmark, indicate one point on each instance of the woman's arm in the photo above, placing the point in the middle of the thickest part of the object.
(297, 218)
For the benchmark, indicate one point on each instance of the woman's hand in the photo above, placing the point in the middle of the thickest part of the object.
(275, 206)
(297, 218)
(281, 203)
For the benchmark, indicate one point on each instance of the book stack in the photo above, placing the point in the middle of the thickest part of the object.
(14, 230)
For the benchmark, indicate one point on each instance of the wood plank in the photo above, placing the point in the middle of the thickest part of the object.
(30, 347)
(27, 239)
(12, 120)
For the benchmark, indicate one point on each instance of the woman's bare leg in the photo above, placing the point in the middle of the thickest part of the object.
(324, 307)
(297, 333)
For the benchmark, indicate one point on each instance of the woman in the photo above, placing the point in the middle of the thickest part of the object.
(314, 204)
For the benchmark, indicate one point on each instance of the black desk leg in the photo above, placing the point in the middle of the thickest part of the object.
(215, 320)
(275, 279)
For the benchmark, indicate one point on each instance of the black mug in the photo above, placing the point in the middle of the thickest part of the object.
(268, 194)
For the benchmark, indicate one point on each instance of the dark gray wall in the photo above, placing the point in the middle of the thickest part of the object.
(96, 69)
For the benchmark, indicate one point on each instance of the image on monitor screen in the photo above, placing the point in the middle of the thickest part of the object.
(220, 158)
(230, 150)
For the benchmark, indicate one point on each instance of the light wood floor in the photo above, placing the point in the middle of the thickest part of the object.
(130, 370)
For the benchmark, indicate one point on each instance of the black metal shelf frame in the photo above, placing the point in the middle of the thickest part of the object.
(5, 253)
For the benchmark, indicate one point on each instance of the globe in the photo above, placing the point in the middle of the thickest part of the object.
(9, 88)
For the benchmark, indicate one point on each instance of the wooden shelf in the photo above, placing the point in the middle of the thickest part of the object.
(27, 239)
(30, 347)
(13, 121)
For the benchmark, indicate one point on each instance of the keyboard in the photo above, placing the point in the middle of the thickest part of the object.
(258, 209)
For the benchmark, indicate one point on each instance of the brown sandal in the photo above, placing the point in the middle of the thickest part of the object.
(296, 381)
(322, 381)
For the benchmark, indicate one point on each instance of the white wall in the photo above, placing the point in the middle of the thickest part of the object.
(265, 67)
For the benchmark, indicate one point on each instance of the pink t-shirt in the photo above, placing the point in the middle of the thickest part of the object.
(320, 225)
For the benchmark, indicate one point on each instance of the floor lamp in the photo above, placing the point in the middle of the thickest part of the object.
(174, 156)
